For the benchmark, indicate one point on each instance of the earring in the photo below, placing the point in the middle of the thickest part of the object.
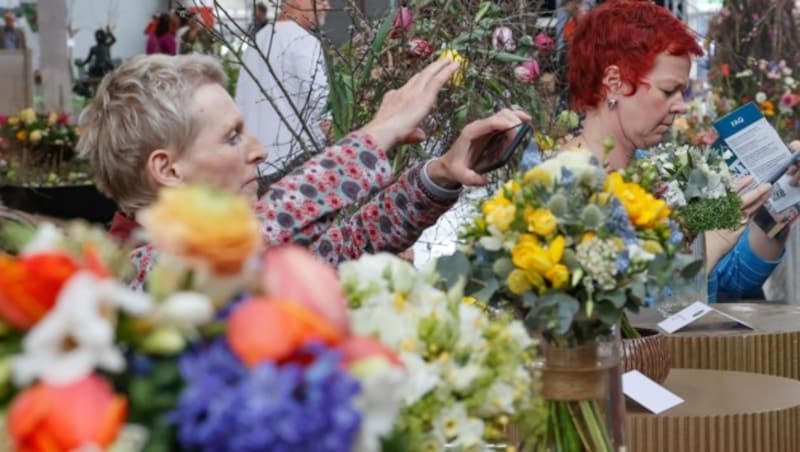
(612, 103)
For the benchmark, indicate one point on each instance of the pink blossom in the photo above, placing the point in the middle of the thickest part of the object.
(3, 120)
(527, 72)
(788, 101)
(503, 39)
(63, 119)
(419, 48)
(403, 21)
(544, 42)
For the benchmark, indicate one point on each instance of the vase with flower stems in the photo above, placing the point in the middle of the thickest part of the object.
(570, 248)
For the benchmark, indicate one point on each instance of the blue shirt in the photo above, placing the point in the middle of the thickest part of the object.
(740, 273)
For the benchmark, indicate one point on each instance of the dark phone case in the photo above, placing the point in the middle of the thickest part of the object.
(488, 162)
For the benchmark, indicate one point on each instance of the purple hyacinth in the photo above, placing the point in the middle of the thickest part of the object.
(287, 407)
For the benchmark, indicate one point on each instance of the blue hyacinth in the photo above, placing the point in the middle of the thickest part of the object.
(286, 407)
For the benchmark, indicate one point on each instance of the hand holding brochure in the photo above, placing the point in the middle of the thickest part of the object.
(757, 149)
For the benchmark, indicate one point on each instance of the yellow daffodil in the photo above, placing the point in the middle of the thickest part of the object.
(541, 221)
(35, 136)
(458, 76)
(206, 226)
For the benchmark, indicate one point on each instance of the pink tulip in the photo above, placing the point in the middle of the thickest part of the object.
(419, 48)
(503, 39)
(403, 21)
(293, 273)
(544, 42)
(527, 72)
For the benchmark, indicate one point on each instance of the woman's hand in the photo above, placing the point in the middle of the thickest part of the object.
(752, 200)
(794, 170)
(455, 167)
(401, 111)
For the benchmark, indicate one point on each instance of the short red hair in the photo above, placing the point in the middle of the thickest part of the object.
(626, 33)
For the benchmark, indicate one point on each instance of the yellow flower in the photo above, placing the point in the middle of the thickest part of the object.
(517, 282)
(35, 136)
(51, 120)
(651, 246)
(531, 256)
(768, 108)
(588, 237)
(28, 116)
(22, 135)
(544, 142)
(558, 276)
(205, 226)
(538, 176)
(458, 76)
(541, 221)
(13, 121)
(501, 217)
(556, 248)
(644, 210)
(680, 124)
(512, 186)
(498, 200)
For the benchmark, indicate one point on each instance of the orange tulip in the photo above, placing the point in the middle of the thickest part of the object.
(29, 286)
(48, 418)
(264, 329)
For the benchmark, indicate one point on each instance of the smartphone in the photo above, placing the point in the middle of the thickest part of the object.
(495, 155)
(779, 173)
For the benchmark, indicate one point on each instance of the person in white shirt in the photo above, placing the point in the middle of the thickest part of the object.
(288, 63)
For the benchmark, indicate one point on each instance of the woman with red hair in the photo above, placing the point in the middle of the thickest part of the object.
(629, 65)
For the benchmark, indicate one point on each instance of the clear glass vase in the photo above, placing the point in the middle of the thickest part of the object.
(582, 389)
(670, 301)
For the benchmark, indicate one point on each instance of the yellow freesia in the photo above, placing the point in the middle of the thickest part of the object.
(538, 176)
(644, 210)
(458, 76)
(556, 248)
(517, 282)
(541, 221)
(498, 200)
(501, 217)
(531, 256)
(558, 276)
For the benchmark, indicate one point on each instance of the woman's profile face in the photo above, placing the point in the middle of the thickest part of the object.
(648, 114)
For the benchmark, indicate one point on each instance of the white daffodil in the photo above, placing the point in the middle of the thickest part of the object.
(499, 399)
(462, 377)
(458, 428)
(77, 335)
(185, 310)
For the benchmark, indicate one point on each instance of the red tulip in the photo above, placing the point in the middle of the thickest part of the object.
(403, 21)
(527, 72)
(29, 286)
(293, 273)
(263, 329)
(419, 48)
(47, 418)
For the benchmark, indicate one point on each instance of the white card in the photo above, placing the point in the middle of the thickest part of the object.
(648, 393)
(684, 317)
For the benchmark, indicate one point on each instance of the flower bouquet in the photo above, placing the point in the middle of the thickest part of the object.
(570, 249)
(698, 187)
(266, 361)
(470, 377)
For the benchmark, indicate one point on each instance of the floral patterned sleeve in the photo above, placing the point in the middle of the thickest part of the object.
(302, 207)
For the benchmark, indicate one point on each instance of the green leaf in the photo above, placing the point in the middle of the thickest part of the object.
(616, 297)
(608, 313)
(692, 269)
(452, 267)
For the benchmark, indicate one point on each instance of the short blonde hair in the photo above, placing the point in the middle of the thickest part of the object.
(140, 107)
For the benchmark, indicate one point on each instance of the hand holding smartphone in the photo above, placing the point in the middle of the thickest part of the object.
(496, 155)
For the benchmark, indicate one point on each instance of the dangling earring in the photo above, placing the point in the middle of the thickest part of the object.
(612, 104)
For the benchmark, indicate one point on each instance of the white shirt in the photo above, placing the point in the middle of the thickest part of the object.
(297, 60)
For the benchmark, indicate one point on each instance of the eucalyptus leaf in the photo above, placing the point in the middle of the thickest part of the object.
(608, 313)
(450, 268)
(616, 297)
(691, 270)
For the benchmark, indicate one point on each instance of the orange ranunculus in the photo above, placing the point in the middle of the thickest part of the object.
(273, 329)
(29, 286)
(49, 418)
(206, 226)
(22, 135)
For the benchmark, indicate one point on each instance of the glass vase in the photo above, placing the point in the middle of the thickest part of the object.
(582, 389)
(670, 301)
